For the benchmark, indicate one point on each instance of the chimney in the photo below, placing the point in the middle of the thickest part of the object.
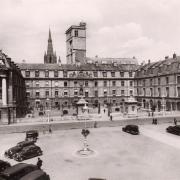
(82, 24)
(149, 61)
(174, 55)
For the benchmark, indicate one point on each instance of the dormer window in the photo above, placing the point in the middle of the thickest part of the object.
(130, 74)
(104, 74)
(46, 74)
(112, 74)
(56, 73)
(122, 74)
(95, 74)
(65, 74)
(27, 73)
(36, 73)
(76, 33)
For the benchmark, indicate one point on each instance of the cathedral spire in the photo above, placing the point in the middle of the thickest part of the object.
(50, 57)
(50, 39)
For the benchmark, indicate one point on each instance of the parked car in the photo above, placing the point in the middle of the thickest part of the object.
(132, 129)
(17, 171)
(32, 135)
(174, 129)
(36, 175)
(4, 165)
(27, 153)
(10, 152)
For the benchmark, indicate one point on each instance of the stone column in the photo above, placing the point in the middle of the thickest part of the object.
(4, 92)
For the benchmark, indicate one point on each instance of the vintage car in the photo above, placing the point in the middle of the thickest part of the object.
(17, 171)
(4, 165)
(174, 129)
(36, 175)
(27, 153)
(10, 152)
(132, 129)
(32, 135)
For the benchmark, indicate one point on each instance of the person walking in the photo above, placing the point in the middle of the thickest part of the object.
(111, 117)
(50, 129)
(39, 163)
(175, 121)
(95, 124)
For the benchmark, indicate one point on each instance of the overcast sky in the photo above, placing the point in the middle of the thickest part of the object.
(146, 29)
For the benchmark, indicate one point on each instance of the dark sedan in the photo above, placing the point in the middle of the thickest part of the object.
(28, 152)
(4, 165)
(10, 152)
(174, 129)
(132, 129)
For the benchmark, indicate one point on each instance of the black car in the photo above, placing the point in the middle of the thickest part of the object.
(17, 171)
(27, 153)
(36, 175)
(10, 152)
(132, 129)
(174, 129)
(32, 135)
(4, 165)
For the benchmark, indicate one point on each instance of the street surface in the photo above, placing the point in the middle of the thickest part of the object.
(152, 155)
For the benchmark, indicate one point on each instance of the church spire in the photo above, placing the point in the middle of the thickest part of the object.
(50, 39)
(50, 57)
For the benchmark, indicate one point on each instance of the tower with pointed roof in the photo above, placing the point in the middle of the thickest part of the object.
(50, 55)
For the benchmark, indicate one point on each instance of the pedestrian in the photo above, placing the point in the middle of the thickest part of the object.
(50, 129)
(153, 121)
(175, 121)
(111, 117)
(104, 111)
(95, 124)
(39, 163)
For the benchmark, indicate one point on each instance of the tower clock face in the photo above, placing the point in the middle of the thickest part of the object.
(56, 83)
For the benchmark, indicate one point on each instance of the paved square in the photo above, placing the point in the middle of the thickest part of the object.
(118, 155)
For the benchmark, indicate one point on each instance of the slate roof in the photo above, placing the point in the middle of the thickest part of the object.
(166, 66)
(112, 60)
(83, 67)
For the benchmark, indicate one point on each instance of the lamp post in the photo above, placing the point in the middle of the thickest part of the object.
(48, 110)
(85, 132)
(163, 104)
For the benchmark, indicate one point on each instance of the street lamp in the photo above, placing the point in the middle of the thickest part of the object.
(163, 104)
(48, 110)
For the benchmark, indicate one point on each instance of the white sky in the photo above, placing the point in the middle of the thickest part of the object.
(146, 29)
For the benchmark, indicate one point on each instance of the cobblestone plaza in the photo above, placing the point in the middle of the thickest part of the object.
(118, 155)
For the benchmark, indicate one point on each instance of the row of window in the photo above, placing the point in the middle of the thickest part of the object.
(65, 74)
(151, 93)
(76, 93)
(159, 81)
(86, 83)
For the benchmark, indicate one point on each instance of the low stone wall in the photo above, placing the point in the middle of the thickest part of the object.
(43, 127)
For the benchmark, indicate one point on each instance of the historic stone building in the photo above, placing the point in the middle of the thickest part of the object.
(102, 81)
(12, 91)
(157, 84)
(60, 86)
